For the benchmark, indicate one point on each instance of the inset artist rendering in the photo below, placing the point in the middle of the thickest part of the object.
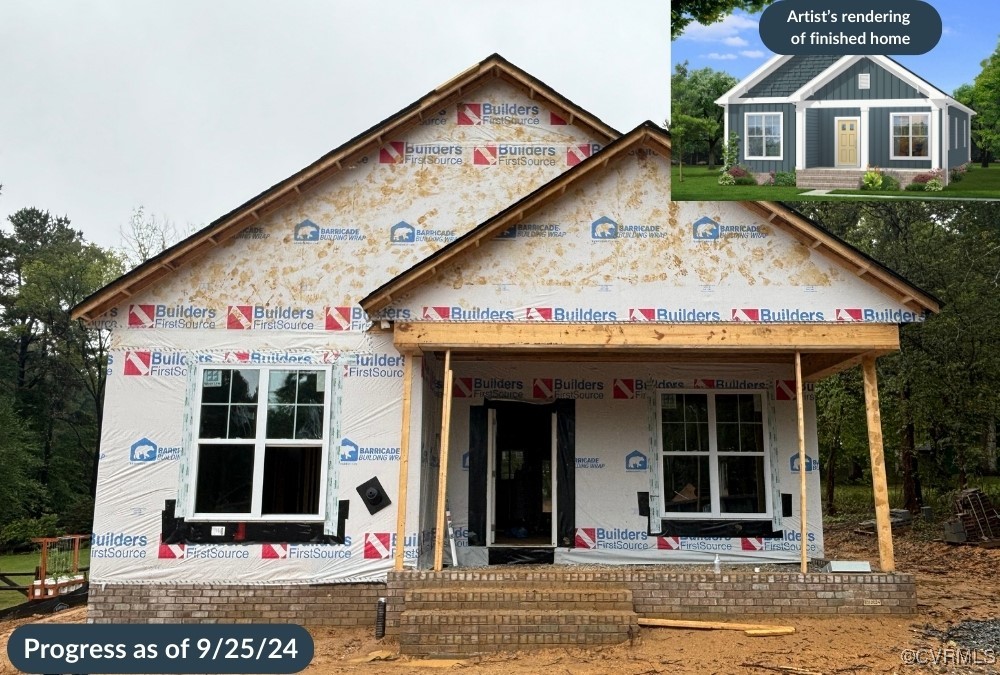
(828, 118)
(485, 304)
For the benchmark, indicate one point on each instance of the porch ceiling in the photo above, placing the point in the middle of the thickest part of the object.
(825, 348)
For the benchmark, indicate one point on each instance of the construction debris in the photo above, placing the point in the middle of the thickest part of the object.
(898, 519)
(751, 629)
(976, 520)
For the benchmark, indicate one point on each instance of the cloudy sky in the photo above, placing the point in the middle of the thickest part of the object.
(969, 35)
(189, 107)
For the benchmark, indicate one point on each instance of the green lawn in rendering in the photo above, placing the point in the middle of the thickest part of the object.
(701, 184)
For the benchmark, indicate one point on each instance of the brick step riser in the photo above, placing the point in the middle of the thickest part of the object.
(604, 606)
(509, 595)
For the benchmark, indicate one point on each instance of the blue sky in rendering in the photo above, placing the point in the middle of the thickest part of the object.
(970, 34)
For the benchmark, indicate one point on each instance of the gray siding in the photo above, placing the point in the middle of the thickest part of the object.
(820, 133)
(879, 138)
(787, 162)
(884, 85)
(958, 147)
(791, 75)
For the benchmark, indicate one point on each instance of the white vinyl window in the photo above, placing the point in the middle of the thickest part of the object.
(715, 459)
(763, 135)
(910, 135)
(262, 438)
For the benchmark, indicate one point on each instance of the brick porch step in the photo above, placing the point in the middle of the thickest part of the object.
(471, 631)
(510, 596)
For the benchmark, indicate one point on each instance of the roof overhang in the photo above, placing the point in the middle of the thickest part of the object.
(748, 82)
(340, 159)
(825, 348)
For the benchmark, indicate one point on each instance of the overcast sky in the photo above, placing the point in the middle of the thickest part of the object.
(189, 108)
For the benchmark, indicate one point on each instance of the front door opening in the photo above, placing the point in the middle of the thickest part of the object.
(847, 141)
(523, 483)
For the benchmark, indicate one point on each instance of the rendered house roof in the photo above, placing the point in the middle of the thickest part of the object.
(791, 75)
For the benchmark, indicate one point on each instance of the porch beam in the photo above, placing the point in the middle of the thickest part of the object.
(443, 466)
(882, 525)
(410, 337)
(404, 464)
(803, 500)
(815, 367)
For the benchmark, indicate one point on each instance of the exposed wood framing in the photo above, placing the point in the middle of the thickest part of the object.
(882, 525)
(404, 463)
(443, 468)
(800, 416)
(411, 337)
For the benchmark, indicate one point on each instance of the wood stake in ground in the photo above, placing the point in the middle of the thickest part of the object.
(753, 629)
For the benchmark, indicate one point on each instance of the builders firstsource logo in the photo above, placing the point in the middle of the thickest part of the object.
(155, 364)
(203, 552)
(455, 313)
(380, 546)
(486, 387)
(306, 551)
(401, 152)
(170, 316)
(558, 387)
(261, 317)
(118, 545)
(772, 315)
(506, 113)
(577, 153)
(145, 451)
(674, 314)
(513, 154)
(374, 365)
(345, 319)
(877, 315)
(599, 538)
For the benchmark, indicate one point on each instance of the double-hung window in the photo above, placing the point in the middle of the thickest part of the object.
(910, 135)
(262, 438)
(763, 135)
(715, 460)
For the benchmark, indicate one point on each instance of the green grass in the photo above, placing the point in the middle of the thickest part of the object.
(701, 184)
(25, 562)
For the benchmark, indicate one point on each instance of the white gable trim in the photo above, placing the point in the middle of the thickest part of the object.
(752, 79)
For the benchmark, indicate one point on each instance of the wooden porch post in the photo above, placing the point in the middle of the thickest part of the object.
(404, 462)
(803, 501)
(883, 527)
(443, 468)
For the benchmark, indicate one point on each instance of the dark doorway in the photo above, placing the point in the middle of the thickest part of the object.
(523, 482)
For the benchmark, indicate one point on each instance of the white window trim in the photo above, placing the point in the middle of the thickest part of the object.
(864, 81)
(713, 458)
(781, 137)
(260, 443)
(892, 138)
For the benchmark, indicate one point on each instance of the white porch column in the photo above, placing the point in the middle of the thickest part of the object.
(946, 143)
(864, 157)
(800, 136)
(935, 137)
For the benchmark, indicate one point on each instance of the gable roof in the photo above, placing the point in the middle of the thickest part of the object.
(786, 71)
(166, 263)
(787, 78)
(651, 137)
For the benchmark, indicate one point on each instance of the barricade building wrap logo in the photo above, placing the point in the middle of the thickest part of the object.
(306, 551)
(605, 229)
(532, 230)
(557, 387)
(635, 461)
(707, 229)
(589, 463)
(514, 154)
(599, 538)
(261, 317)
(308, 232)
(404, 233)
(675, 314)
(170, 316)
(770, 315)
(401, 152)
(118, 545)
(145, 451)
(351, 453)
(877, 315)
(811, 464)
(507, 113)
(374, 365)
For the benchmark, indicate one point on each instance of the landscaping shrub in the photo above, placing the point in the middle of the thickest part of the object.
(934, 185)
(923, 178)
(739, 171)
(872, 180)
(889, 182)
(785, 178)
(915, 187)
(746, 180)
(726, 179)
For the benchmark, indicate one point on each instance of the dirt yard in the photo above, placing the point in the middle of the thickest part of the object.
(954, 584)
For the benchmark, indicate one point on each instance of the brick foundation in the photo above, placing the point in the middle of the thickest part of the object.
(325, 605)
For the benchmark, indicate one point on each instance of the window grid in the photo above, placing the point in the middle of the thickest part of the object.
(910, 135)
(763, 136)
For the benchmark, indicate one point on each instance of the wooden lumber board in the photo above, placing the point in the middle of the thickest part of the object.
(710, 625)
(882, 519)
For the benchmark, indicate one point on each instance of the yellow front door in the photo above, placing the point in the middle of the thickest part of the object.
(847, 142)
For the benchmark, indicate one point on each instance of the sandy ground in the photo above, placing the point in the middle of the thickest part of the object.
(953, 584)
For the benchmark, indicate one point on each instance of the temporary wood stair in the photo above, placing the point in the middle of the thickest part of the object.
(513, 611)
